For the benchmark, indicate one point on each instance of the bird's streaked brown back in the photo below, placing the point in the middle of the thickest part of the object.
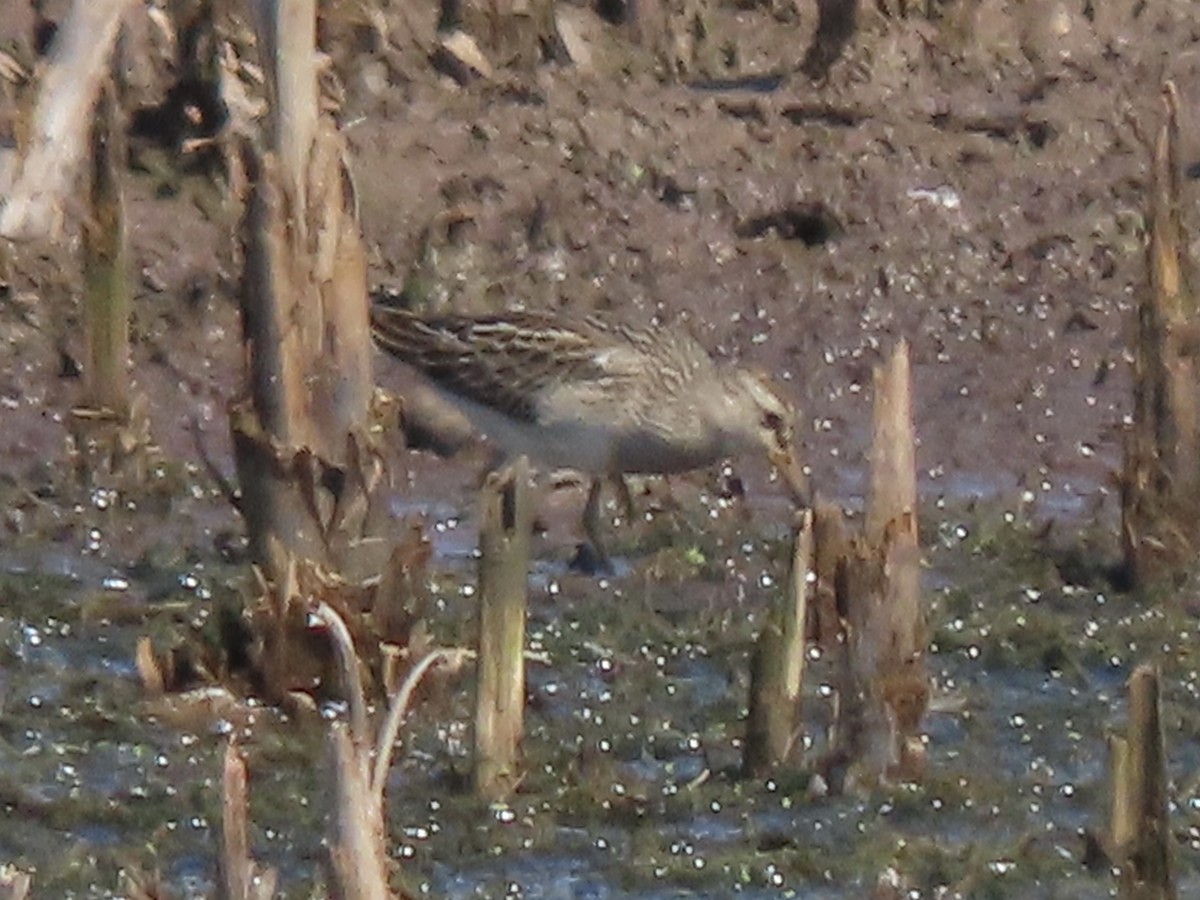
(499, 361)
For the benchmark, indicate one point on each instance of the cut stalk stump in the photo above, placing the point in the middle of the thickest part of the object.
(1139, 835)
(883, 685)
(506, 523)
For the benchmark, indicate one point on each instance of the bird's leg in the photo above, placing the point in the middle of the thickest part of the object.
(624, 497)
(592, 524)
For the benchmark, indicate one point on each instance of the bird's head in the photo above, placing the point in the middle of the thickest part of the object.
(757, 417)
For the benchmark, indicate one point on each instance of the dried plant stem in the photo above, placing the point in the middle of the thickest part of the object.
(1161, 478)
(106, 303)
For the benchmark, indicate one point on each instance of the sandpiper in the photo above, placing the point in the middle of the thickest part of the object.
(599, 397)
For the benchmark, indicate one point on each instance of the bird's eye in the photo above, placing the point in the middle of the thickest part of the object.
(772, 421)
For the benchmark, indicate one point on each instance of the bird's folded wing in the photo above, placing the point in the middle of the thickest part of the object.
(507, 363)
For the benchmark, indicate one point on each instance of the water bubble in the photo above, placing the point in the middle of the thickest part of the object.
(505, 815)
(103, 498)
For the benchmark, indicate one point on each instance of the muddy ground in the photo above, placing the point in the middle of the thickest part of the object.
(975, 187)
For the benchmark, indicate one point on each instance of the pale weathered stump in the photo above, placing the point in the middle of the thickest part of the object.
(506, 522)
(1161, 481)
(33, 207)
(884, 685)
(777, 672)
(1140, 836)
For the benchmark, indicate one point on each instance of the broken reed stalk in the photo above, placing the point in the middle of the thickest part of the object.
(830, 542)
(1140, 832)
(300, 437)
(777, 672)
(358, 845)
(239, 878)
(106, 289)
(1161, 478)
(506, 521)
(234, 861)
(884, 683)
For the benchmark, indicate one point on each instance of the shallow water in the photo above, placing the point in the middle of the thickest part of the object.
(633, 733)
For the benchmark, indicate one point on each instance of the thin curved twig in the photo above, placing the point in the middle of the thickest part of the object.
(399, 708)
(351, 669)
